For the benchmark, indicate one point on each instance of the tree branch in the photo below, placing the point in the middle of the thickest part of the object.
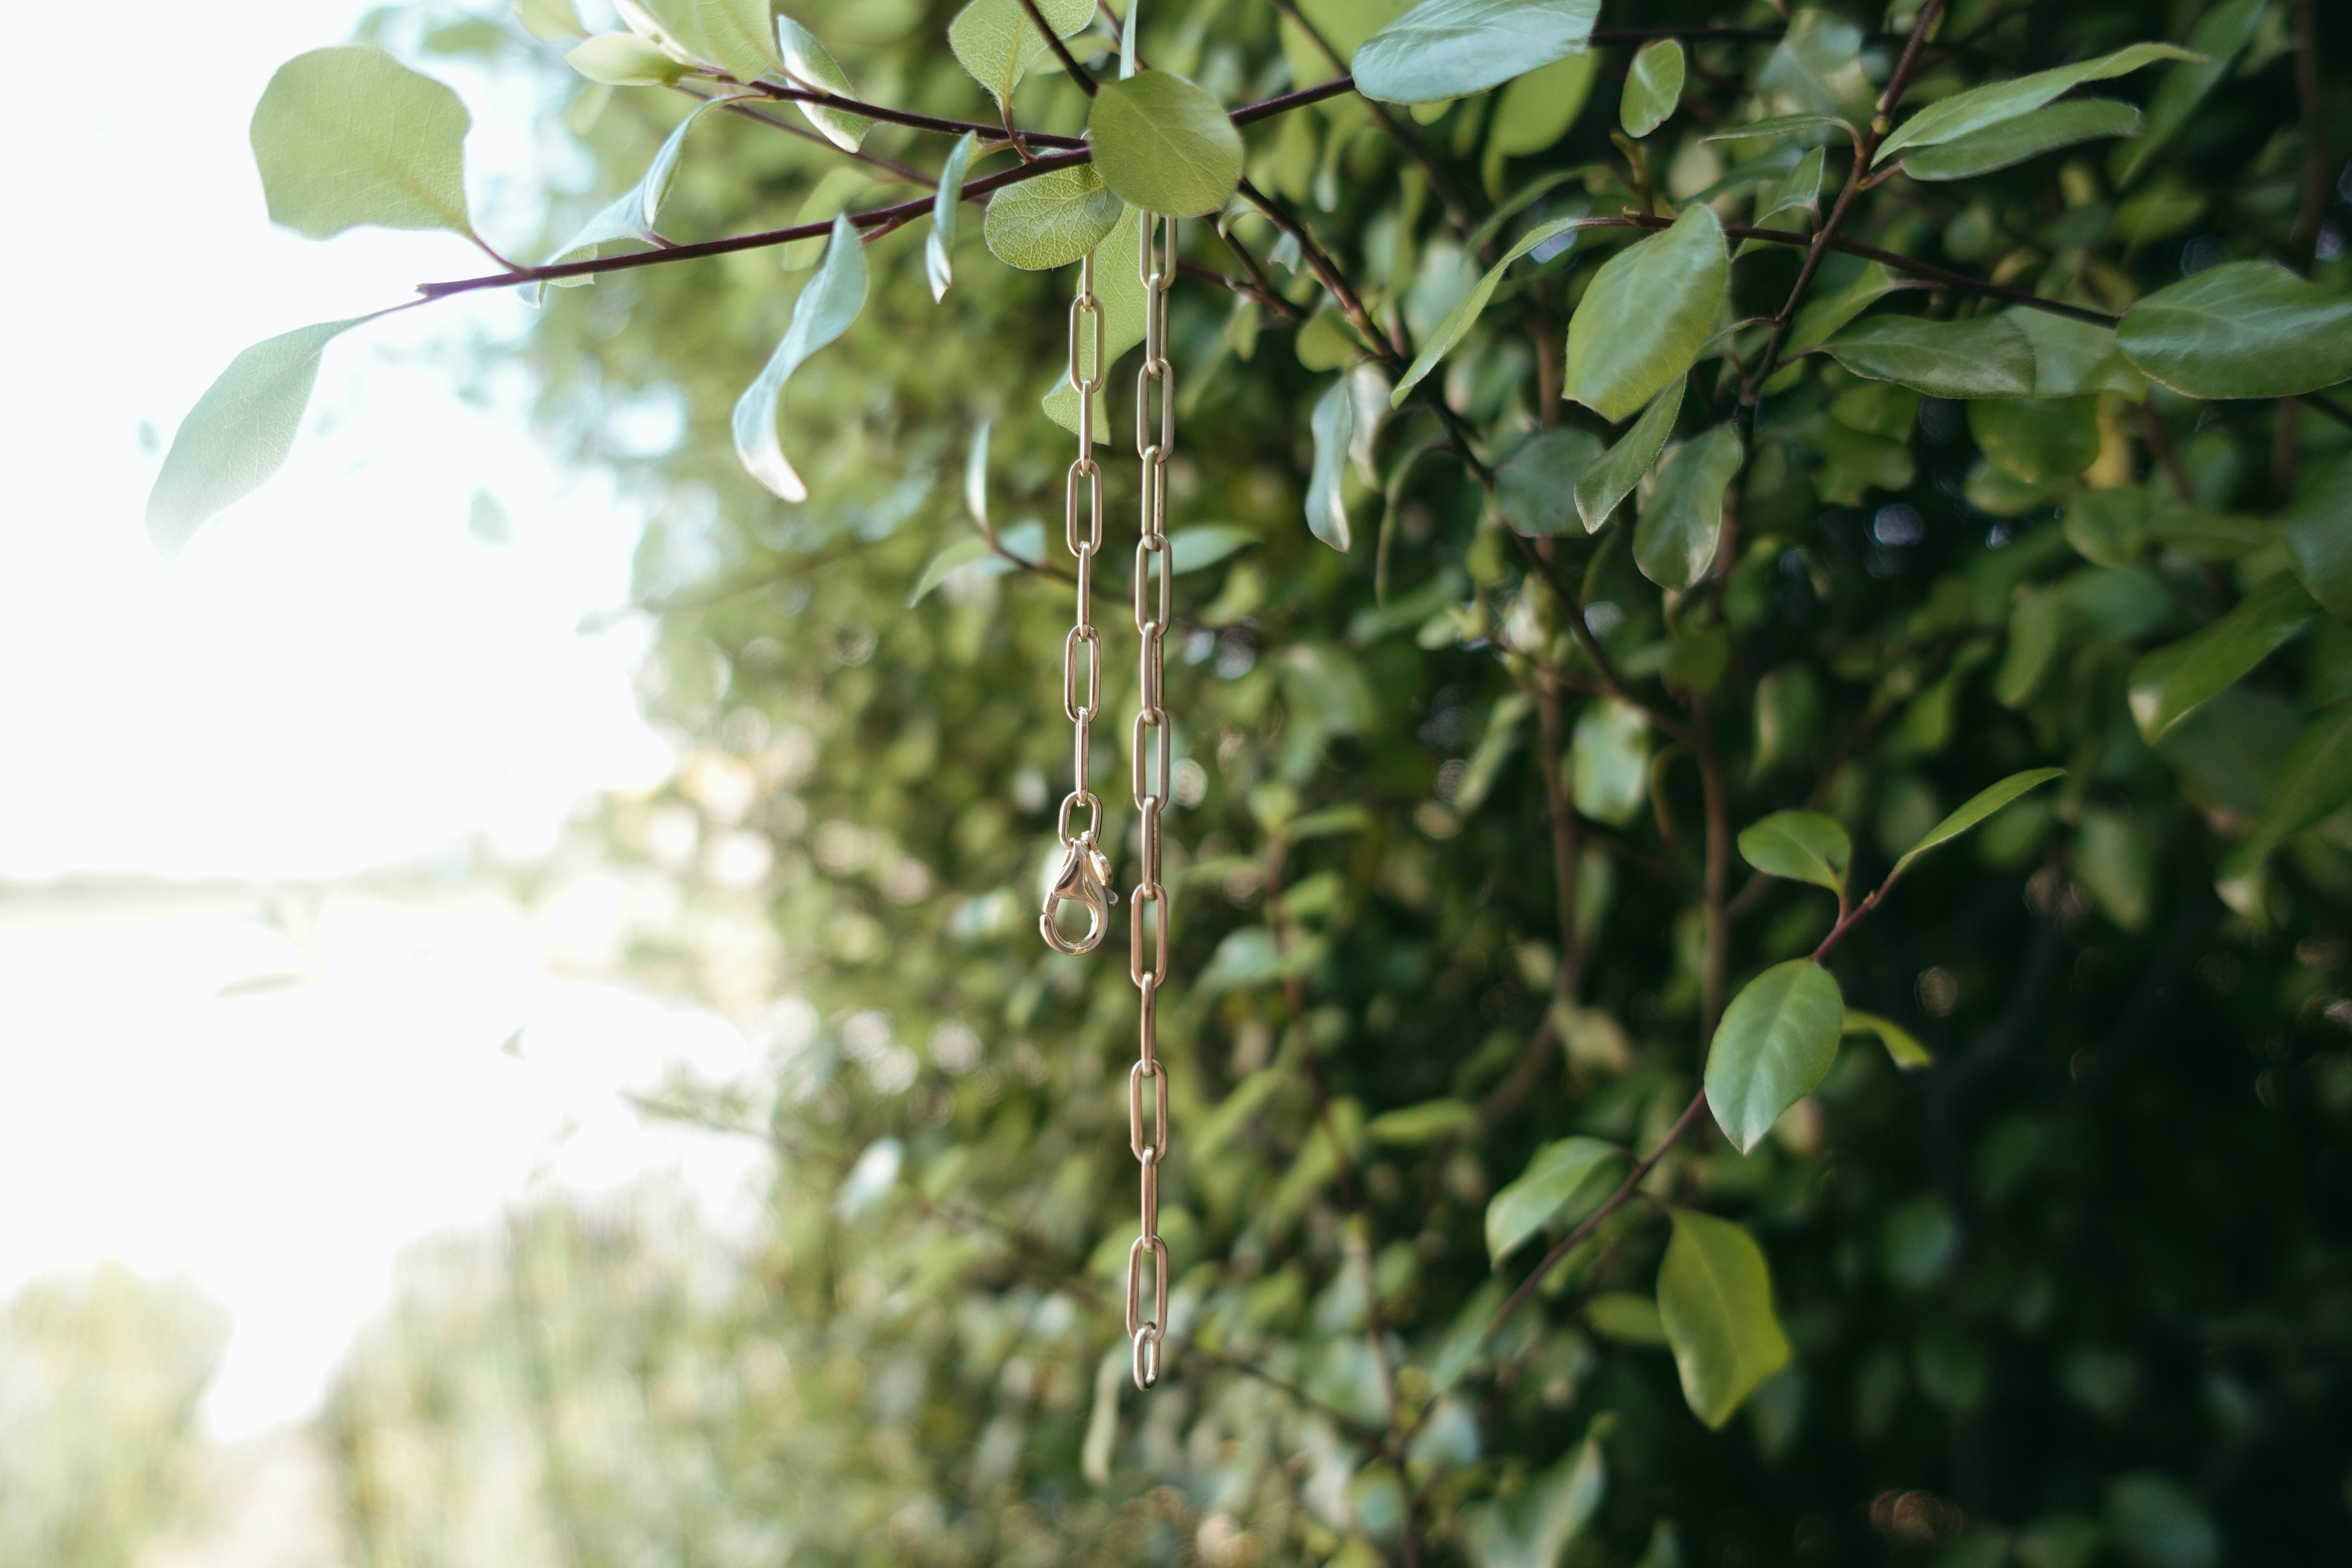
(1078, 73)
(2309, 87)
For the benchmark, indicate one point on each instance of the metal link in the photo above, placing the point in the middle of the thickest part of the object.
(1083, 874)
(1136, 1321)
(1148, 1151)
(1152, 744)
(1070, 802)
(1147, 893)
(1149, 552)
(1072, 708)
(1088, 470)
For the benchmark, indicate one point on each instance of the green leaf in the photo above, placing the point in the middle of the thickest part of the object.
(2012, 141)
(1682, 517)
(2246, 329)
(1052, 220)
(1535, 1525)
(1780, 125)
(2173, 682)
(997, 43)
(2318, 529)
(1816, 69)
(939, 264)
(2314, 784)
(809, 65)
(238, 433)
(1611, 478)
(1563, 1182)
(2220, 36)
(1714, 1298)
(1464, 315)
(1451, 49)
(1628, 1319)
(549, 21)
(1121, 288)
(1901, 1045)
(670, 25)
(632, 214)
(1978, 806)
(2072, 358)
(1984, 356)
(1537, 489)
(1165, 145)
(2037, 441)
(1821, 319)
(740, 34)
(1645, 316)
(1333, 424)
(1416, 1125)
(350, 137)
(825, 309)
(2109, 528)
(2036, 627)
(1777, 1042)
(1801, 846)
(1800, 191)
(973, 555)
(1963, 113)
(1537, 109)
(1205, 544)
(1609, 761)
(624, 59)
(1874, 459)
(1653, 88)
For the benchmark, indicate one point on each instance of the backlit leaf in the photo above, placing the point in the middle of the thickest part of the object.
(624, 59)
(1164, 145)
(348, 138)
(740, 34)
(809, 65)
(824, 311)
(1777, 1042)
(1654, 86)
(1052, 220)
(1645, 316)
(1450, 48)
(2245, 328)
(1333, 424)
(1563, 1182)
(1801, 846)
(1682, 516)
(632, 214)
(1714, 1299)
(938, 247)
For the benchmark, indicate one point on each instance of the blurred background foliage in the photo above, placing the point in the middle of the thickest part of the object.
(2079, 1293)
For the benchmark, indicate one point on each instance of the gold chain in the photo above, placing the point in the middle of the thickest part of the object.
(1152, 793)
(1084, 876)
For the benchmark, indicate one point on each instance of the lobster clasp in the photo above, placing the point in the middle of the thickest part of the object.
(1084, 878)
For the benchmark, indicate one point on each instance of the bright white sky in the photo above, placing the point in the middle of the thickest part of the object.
(335, 676)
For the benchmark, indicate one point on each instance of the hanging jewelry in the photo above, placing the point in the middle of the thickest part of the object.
(1083, 877)
(1157, 266)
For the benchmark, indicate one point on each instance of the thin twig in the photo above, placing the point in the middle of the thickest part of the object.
(1078, 73)
(2316, 164)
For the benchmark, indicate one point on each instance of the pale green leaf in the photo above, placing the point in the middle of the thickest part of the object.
(1628, 1319)
(809, 65)
(549, 21)
(2012, 141)
(624, 59)
(1205, 544)
(1537, 109)
(1645, 316)
(350, 137)
(939, 264)
(1052, 220)
(1164, 145)
(973, 555)
(670, 25)
(1682, 516)
(1564, 1182)
(824, 311)
(2319, 536)
(1902, 1046)
(1714, 1299)
(1464, 315)
(1777, 1042)
(1978, 806)
(997, 43)
(2037, 441)
(2173, 682)
(1450, 48)
(1121, 288)
(1801, 846)
(834, 195)
(1983, 357)
(632, 214)
(1537, 489)
(1333, 425)
(1609, 761)
(740, 36)
(1416, 1125)
(1534, 1527)
(2246, 329)
(975, 475)
(1950, 119)
(238, 433)
(1816, 69)
(1780, 125)
(1654, 86)
(1614, 476)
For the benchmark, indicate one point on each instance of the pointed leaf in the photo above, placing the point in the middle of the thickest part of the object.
(1901, 1045)
(1205, 544)
(2246, 329)
(1164, 145)
(2172, 682)
(1714, 1299)
(1450, 48)
(1535, 1525)
(2028, 136)
(1978, 806)
(997, 43)
(350, 137)
(2319, 536)
(1052, 220)
(238, 433)
(809, 64)
(1537, 489)
(632, 214)
(973, 555)
(1647, 313)
(1653, 88)
(2314, 784)
(824, 311)
(1800, 192)
(1333, 424)
(2072, 359)
(1779, 125)
(1801, 846)
(1463, 316)
(740, 36)
(1984, 356)
(624, 59)
(1121, 288)
(1777, 1042)
(1959, 115)
(1563, 1182)
(1614, 476)
(938, 265)
(1682, 517)
(2220, 36)
(1821, 319)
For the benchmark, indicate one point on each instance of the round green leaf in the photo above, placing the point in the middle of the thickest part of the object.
(1801, 846)
(997, 43)
(1715, 1303)
(1050, 221)
(1165, 144)
(350, 137)
(1654, 86)
(1682, 517)
(1537, 489)
(1775, 1045)
(1641, 322)
(1564, 1181)
(1450, 48)
(2249, 329)
(624, 59)
(2038, 441)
